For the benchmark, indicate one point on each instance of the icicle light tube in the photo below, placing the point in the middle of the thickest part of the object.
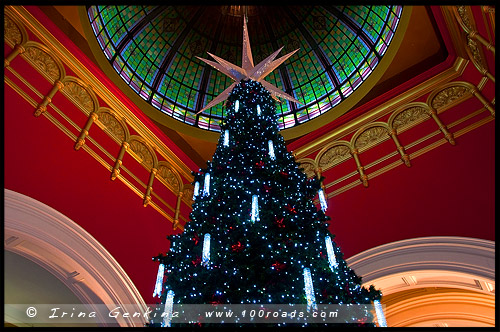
(159, 280)
(206, 187)
(331, 254)
(380, 314)
(255, 208)
(271, 149)
(258, 110)
(205, 257)
(236, 106)
(311, 299)
(196, 190)
(226, 137)
(169, 304)
(322, 200)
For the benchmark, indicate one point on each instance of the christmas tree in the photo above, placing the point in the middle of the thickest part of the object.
(255, 235)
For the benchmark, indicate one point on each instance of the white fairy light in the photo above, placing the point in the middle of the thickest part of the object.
(159, 280)
(236, 106)
(169, 304)
(331, 254)
(322, 200)
(206, 187)
(226, 137)
(380, 314)
(258, 110)
(255, 208)
(311, 299)
(205, 257)
(271, 149)
(196, 190)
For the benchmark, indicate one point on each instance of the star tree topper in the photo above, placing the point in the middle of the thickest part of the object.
(248, 70)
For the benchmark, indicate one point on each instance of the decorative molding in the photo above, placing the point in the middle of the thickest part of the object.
(86, 78)
(448, 95)
(79, 94)
(113, 125)
(171, 177)
(12, 32)
(408, 117)
(188, 192)
(308, 167)
(65, 249)
(144, 153)
(43, 61)
(371, 136)
(334, 155)
(462, 255)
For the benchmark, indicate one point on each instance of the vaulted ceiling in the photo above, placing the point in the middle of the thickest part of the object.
(428, 172)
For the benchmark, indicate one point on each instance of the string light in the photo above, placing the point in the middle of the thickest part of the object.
(196, 190)
(255, 208)
(331, 254)
(271, 149)
(311, 299)
(159, 280)
(169, 304)
(206, 187)
(380, 314)
(205, 258)
(226, 137)
(322, 200)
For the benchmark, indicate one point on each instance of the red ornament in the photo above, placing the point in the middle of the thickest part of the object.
(322, 255)
(279, 266)
(237, 247)
(195, 238)
(284, 174)
(279, 222)
(196, 261)
(291, 209)
(267, 188)
(259, 165)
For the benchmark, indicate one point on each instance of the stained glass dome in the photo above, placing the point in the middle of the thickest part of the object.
(153, 49)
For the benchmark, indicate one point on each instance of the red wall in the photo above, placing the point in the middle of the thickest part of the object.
(447, 191)
(40, 162)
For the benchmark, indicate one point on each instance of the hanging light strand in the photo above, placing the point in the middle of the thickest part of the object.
(159, 280)
(196, 190)
(226, 137)
(322, 200)
(271, 149)
(380, 314)
(206, 187)
(331, 254)
(309, 290)
(205, 257)
(169, 304)
(255, 208)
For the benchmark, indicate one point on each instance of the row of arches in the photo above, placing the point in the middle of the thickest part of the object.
(107, 119)
(401, 119)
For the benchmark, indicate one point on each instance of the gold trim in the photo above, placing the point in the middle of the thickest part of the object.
(289, 133)
(136, 155)
(400, 101)
(413, 155)
(88, 149)
(96, 86)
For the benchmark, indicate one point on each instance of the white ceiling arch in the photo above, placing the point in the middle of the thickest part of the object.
(47, 237)
(433, 281)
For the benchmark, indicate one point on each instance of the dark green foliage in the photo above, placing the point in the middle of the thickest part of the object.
(261, 261)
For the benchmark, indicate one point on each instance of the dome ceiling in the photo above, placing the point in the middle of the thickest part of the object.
(154, 49)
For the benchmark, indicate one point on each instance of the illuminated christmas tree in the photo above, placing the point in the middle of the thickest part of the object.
(255, 234)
